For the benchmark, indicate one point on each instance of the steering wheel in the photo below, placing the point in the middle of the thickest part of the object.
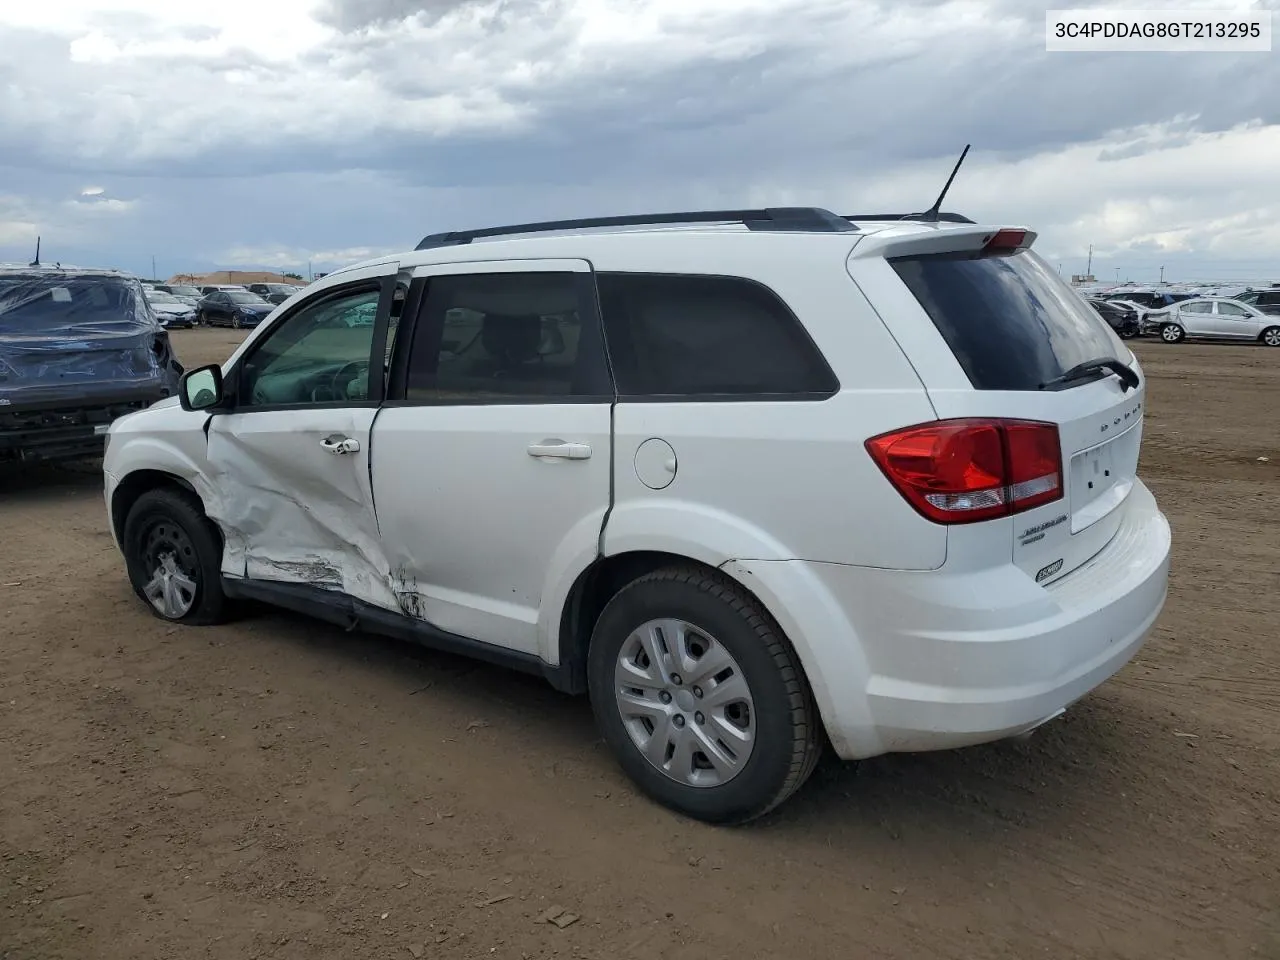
(338, 384)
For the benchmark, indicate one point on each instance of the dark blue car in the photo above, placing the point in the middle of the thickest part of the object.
(78, 348)
(233, 308)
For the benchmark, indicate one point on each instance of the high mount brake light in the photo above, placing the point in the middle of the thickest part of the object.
(1005, 241)
(964, 471)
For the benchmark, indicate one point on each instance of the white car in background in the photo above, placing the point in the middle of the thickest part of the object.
(169, 310)
(1139, 310)
(1215, 318)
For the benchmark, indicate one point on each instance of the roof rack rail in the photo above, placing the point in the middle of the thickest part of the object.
(791, 219)
(948, 217)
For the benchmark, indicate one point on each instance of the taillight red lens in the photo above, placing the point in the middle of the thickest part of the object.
(962, 471)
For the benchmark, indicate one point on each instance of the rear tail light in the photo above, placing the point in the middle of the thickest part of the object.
(963, 471)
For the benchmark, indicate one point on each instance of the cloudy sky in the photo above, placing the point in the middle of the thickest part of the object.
(266, 133)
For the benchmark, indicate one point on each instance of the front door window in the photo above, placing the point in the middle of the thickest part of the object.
(319, 355)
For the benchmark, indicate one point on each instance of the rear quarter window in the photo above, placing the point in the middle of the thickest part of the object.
(1010, 321)
(676, 335)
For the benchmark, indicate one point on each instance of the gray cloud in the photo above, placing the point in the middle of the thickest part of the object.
(351, 15)
(473, 108)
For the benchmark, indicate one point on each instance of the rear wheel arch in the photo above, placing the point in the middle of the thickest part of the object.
(600, 583)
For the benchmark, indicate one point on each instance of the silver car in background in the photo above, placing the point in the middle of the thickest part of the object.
(1213, 318)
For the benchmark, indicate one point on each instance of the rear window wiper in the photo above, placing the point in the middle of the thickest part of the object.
(1091, 368)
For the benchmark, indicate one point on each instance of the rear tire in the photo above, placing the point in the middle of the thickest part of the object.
(723, 727)
(1271, 336)
(174, 558)
(1172, 333)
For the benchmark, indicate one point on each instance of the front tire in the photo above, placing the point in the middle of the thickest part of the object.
(700, 696)
(1172, 333)
(1271, 336)
(235, 322)
(174, 559)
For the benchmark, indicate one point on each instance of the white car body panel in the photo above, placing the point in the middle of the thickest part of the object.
(447, 477)
(293, 512)
(289, 510)
(723, 462)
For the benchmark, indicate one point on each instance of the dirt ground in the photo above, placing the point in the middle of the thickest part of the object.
(278, 788)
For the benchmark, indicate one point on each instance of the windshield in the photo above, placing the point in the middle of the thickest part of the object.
(245, 297)
(280, 288)
(1011, 321)
(68, 304)
(159, 296)
(186, 291)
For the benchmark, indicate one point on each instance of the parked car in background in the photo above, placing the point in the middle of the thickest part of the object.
(1121, 318)
(233, 308)
(273, 292)
(169, 310)
(1215, 318)
(1268, 301)
(1150, 299)
(562, 452)
(1138, 310)
(185, 292)
(78, 348)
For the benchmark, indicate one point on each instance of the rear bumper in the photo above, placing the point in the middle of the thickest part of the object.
(60, 429)
(905, 661)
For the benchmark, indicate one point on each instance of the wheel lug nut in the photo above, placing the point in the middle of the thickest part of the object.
(699, 719)
(697, 691)
(664, 697)
(675, 678)
(678, 720)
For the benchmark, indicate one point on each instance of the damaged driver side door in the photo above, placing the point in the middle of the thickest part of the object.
(290, 454)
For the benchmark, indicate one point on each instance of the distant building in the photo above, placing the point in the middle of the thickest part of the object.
(1079, 278)
(235, 276)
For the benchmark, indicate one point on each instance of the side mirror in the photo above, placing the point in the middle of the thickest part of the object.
(201, 388)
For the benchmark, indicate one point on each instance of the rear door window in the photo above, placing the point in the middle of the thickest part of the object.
(1011, 321)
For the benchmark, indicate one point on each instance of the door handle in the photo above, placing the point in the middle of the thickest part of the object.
(338, 444)
(560, 449)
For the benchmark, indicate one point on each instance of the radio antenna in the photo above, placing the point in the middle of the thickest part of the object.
(931, 215)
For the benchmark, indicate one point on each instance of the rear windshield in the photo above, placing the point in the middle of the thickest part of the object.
(1011, 321)
(43, 304)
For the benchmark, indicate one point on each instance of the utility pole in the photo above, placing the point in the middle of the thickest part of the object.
(153, 267)
(1162, 274)
(1088, 270)
(309, 276)
(1117, 274)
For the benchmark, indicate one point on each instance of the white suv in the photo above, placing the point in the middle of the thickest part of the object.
(754, 480)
